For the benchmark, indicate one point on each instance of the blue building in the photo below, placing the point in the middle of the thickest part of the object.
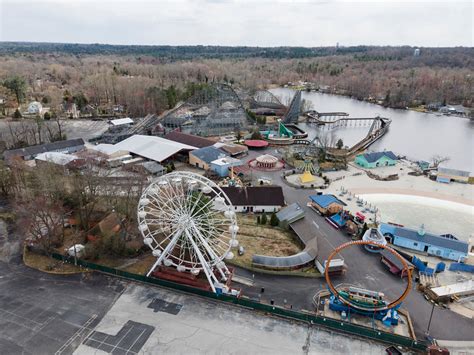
(443, 246)
(222, 166)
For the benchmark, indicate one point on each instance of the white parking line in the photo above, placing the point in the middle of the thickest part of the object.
(317, 226)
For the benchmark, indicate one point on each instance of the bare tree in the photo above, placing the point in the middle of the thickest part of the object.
(436, 160)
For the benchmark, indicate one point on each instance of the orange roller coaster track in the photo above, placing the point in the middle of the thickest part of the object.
(363, 242)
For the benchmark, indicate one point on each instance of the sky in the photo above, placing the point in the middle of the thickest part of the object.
(309, 23)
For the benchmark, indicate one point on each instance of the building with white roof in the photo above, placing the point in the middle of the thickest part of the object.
(121, 121)
(221, 166)
(149, 147)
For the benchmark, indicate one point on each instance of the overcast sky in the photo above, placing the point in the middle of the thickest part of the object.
(240, 22)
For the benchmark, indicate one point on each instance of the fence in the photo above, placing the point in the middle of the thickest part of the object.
(333, 324)
(461, 267)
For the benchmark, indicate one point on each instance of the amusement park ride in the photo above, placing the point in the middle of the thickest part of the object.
(362, 301)
(190, 225)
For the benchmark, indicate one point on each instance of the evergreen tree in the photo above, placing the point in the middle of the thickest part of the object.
(258, 220)
(17, 114)
(264, 218)
(274, 220)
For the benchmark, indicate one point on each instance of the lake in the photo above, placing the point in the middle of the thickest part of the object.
(414, 134)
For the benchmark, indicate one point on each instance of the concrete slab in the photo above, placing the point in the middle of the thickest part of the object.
(205, 327)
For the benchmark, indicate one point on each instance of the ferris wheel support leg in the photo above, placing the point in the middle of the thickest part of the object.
(210, 251)
(207, 270)
(166, 251)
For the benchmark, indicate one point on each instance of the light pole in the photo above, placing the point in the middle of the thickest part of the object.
(427, 333)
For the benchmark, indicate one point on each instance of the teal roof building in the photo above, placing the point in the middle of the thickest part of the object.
(374, 160)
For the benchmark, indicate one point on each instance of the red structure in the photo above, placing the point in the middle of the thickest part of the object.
(256, 143)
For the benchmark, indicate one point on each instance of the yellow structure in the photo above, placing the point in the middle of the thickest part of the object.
(307, 177)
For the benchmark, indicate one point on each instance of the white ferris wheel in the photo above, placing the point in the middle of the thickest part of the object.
(190, 224)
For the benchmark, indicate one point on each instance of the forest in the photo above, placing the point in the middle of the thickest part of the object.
(151, 79)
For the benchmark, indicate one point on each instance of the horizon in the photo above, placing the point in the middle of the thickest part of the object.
(240, 23)
(232, 46)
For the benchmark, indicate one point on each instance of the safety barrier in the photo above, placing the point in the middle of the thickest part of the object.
(461, 267)
(331, 323)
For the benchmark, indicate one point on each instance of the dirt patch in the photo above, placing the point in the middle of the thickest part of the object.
(263, 240)
(47, 264)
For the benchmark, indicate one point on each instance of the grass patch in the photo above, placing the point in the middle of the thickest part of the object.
(47, 264)
(142, 265)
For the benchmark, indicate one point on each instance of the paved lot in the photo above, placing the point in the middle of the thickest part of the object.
(49, 314)
(192, 325)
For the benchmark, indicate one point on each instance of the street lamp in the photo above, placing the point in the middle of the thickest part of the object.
(427, 333)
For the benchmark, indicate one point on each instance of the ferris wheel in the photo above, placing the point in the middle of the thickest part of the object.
(190, 224)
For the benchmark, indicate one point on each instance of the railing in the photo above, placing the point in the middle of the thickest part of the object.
(331, 323)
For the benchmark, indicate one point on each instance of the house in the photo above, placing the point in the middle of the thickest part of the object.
(449, 175)
(326, 204)
(67, 146)
(148, 147)
(70, 110)
(202, 158)
(110, 226)
(190, 139)
(222, 166)
(150, 167)
(443, 246)
(35, 108)
(256, 199)
(290, 214)
(376, 159)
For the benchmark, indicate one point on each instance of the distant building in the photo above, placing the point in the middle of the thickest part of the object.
(449, 175)
(326, 204)
(376, 159)
(234, 150)
(190, 139)
(35, 108)
(67, 161)
(443, 246)
(256, 199)
(67, 146)
(222, 166)
(202, 158)
(148, 147)
(416, 52)
(121, 122)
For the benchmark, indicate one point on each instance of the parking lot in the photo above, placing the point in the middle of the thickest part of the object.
(172, 322)
(50, 314)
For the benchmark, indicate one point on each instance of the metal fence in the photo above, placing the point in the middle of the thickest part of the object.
(330, 323)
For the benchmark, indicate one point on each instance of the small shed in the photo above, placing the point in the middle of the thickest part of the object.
(376, 159)
(449, 175)
(290, 214)
(393, 264)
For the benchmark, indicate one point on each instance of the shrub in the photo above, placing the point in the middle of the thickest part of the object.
(274, 220)
(264, 218)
